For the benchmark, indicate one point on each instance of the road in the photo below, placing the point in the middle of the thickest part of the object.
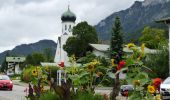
(17, 93)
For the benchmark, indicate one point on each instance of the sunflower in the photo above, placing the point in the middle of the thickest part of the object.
(130, 45)
(136, 82)
(95, 62)
(151, 89)
(158, 97)
(90, 67)
(34, 73)
(43, 78)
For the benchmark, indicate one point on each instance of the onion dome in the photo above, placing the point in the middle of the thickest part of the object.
(68, 16)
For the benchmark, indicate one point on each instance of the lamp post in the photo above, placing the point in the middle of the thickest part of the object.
(167, 22)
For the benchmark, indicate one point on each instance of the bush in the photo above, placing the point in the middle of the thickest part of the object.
(26, 76)
(15, 76)
(52, 69)
(88, 96)
(49, 96)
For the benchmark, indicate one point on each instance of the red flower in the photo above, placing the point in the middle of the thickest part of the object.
(118, 67)
(61, 64)
(122, 63)
(157, 82)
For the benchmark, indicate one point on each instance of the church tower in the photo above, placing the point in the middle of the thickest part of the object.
(68, 19)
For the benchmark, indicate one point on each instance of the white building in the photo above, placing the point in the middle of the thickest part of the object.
(68, 22)
(103, 50)
(13, 65)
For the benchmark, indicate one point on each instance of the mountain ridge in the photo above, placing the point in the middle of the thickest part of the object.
(134, 19)
(26, 49)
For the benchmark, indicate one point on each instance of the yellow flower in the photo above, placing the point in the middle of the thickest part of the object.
(136, 82)
(43, 78)
(112, 61)
(158, 97)
(131, 45)
(46, 68)
(38, 68)
(34, 73)
(90, 67)
(95, 62)
(143, 47)
(151, 89)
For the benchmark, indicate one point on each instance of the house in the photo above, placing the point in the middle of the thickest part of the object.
(14, 65)
(103, 50)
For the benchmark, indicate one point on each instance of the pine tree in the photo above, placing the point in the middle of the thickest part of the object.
(116, 45)
(116, 52)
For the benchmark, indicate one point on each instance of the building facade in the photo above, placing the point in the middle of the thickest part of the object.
(68, 22)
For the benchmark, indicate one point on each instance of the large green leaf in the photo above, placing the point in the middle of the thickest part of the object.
(111, 75)
(135, 96)
(143, 77)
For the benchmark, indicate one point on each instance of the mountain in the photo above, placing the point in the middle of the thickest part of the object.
(25, 49)
(140, 14)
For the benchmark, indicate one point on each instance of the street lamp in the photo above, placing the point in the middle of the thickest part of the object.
(167, 22)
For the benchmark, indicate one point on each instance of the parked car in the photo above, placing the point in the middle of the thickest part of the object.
(124, 89)
(165, 89)
(5, 82)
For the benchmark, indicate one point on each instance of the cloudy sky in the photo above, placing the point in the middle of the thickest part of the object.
(28, 21)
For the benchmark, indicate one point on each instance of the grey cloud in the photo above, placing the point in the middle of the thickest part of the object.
(28, 1)
(28, 21)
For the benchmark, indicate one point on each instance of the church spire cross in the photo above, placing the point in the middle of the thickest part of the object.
(68, 4)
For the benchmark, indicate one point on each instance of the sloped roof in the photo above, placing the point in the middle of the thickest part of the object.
(105, 48)
(166, 20)
(100, 47)
(48, 64)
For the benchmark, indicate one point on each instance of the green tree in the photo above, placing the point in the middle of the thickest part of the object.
(88, 58)
(35, 59)
(78, 44)
(4, 65)
(48, 55)
(158, 62)
(116, 43)
(116, 51)
(152, 37)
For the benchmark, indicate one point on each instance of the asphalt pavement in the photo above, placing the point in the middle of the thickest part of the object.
(19, 94)
(16, 94)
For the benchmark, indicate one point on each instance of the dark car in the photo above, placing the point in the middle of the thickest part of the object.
(124, 89)
(5, 82)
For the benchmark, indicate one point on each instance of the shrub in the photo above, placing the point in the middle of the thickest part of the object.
(52, 69)
(49, 96)
(26, 76)
(88, 96)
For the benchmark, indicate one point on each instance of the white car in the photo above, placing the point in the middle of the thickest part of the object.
(165, 89)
